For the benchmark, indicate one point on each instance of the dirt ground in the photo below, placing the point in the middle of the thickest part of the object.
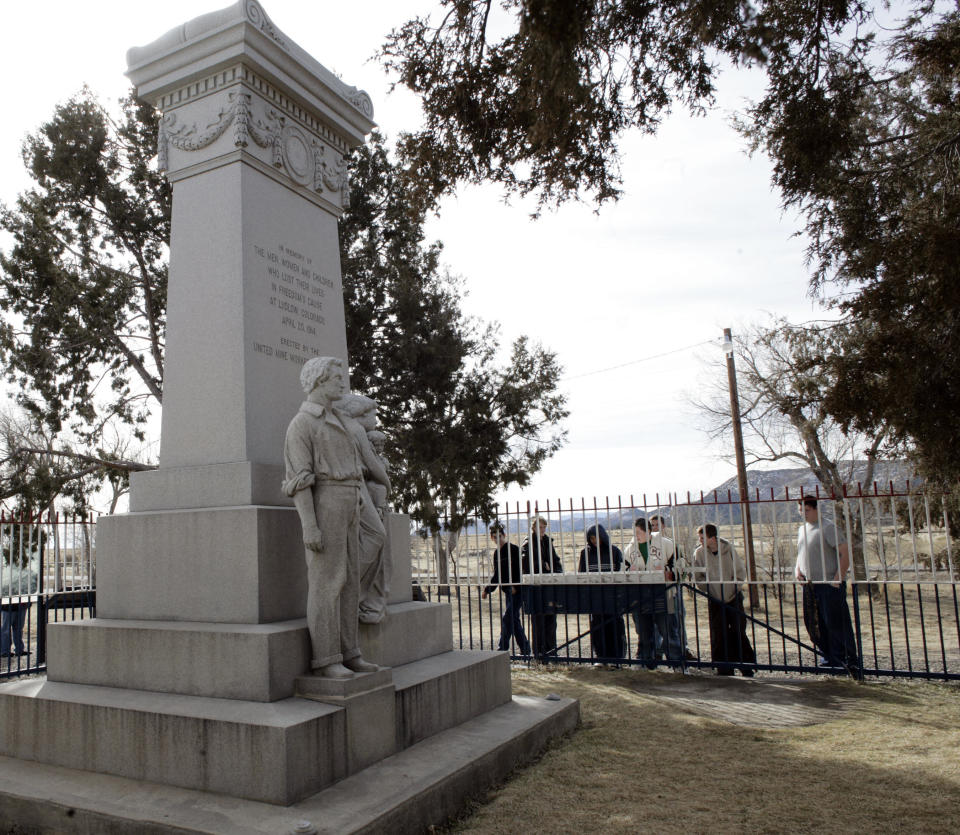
(662, 752)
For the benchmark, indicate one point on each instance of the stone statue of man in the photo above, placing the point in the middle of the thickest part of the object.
(373, 504)
(324, 475)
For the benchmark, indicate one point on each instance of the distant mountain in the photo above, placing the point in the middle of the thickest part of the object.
(777, 484)
(795, 478)
(721, 504)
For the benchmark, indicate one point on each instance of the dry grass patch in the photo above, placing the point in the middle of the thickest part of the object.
(654, 754)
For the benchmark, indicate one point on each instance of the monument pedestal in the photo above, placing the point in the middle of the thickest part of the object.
(193, 680)
(369, 704)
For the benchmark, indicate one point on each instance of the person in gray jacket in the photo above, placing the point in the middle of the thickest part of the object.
(719, 571)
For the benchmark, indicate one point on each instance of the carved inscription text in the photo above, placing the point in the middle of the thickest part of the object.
(296, 296)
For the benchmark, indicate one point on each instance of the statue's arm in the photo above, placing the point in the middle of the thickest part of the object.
(300, 479)
(312, 535)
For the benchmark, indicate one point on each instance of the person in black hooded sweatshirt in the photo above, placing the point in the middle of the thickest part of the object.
(607, 632)
(538, 556)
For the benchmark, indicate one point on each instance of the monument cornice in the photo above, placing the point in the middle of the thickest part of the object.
(290, 147)
(243, 34)
(226, 78)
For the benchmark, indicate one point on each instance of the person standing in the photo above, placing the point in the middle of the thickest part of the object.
(719, 571)
(822, 562)
(19, 582)
(607, 634)
(675, 566)
(538, 556)
(650, 610)
(506, 577)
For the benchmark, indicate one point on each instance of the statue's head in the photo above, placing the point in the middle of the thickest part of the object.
(377, 440)
(318, 370)
(360, 408)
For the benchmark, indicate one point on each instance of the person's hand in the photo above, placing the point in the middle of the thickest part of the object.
(313, 539)
(668, 574)
(801, 577)
(483, 594)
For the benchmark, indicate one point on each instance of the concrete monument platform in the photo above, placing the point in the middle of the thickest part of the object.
(423, 785)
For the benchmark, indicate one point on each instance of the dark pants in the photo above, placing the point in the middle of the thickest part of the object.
(544, 635)
(655, 637)
(835, 639)
(11, 628)
(729, 645)
(608, 636)
(511, 624)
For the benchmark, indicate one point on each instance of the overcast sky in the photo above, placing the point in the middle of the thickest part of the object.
(696, 244)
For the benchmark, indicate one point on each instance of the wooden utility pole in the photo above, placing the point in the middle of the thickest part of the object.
(741, 468)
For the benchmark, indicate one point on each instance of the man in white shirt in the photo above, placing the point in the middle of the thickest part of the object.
(822, 562)
(676, 566)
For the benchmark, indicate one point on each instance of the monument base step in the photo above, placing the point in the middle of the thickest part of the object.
(443, 691)
(255, 662)
(407, 792)
(277, 752)
(410, 631)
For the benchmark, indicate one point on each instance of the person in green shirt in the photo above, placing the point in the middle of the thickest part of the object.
(650, 613)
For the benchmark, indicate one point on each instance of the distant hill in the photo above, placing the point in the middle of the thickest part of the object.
(794, 478)
(776, 484)
(721, 503)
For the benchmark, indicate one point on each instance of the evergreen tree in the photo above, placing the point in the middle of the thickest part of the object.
(83, 289)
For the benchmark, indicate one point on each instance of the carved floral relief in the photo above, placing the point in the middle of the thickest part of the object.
(304, 159)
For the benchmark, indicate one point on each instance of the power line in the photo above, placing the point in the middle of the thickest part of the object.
(637, 361)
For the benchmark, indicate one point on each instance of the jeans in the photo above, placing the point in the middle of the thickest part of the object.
(511, 624)
(11, 626)
(836, 631)
(649, 627)
(675, 622)
(544, 635)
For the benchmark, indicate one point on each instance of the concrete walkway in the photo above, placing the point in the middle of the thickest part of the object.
(752, 702)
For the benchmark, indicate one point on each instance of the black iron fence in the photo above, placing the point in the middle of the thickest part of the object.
(894, 581)
(899, 586)
(47, 574)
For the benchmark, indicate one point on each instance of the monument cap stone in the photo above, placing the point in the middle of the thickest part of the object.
(243, 33)
(253, 135)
